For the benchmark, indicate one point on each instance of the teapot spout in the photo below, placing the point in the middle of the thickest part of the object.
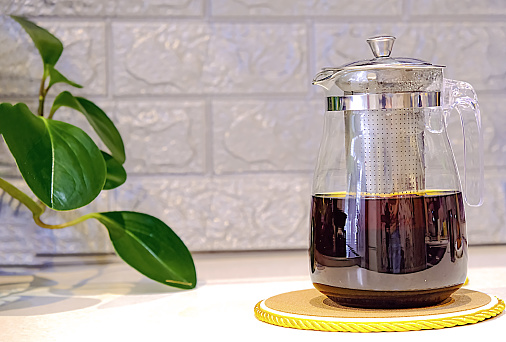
(325, 78)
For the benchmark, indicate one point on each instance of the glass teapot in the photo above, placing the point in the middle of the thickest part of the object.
(387, 217)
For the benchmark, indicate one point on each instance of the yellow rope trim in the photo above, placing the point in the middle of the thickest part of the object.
(415, 325)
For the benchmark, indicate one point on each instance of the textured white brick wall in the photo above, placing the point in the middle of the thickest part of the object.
(214, 101)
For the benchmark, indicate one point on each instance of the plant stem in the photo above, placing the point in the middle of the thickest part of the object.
(14, 192)
(38, 209)
(63, 225)
(51, 113)
(42, 94)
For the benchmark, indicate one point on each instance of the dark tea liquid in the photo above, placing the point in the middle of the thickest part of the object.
(403, 250)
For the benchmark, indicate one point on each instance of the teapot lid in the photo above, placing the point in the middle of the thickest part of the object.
(381, 47)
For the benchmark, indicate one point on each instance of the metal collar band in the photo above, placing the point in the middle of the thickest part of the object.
(384, 101)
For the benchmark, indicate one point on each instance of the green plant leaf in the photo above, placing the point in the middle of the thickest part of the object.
(100, 122)
(5, 109)
(60, 163)
(151, 247)
(50, 47)
(116, 174)
(56, 77)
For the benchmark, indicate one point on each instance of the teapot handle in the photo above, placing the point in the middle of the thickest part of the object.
(461, 96)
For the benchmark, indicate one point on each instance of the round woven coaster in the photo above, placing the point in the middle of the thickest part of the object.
(310, 310)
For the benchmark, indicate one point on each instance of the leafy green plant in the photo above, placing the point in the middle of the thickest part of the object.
(65, 170)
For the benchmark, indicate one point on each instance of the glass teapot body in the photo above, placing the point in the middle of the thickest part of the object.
(387, 217)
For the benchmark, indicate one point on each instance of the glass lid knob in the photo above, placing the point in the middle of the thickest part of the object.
(381, 46)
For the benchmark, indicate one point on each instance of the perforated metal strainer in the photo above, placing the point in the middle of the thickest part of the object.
(384, 102)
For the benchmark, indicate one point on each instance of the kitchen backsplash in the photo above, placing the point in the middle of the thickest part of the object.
(215, 104)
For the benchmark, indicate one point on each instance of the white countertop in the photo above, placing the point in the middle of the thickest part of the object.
(107, 300)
